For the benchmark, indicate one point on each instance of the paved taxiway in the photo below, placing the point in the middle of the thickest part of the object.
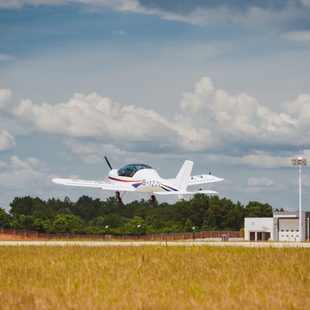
(155, 243)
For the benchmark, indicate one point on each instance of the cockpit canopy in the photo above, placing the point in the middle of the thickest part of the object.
(131, 169)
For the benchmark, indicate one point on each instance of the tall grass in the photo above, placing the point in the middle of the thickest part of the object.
(159, 277)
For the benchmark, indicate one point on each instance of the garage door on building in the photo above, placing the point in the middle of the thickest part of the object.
(288, 229)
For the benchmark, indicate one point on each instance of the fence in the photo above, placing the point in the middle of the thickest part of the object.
(155, 237)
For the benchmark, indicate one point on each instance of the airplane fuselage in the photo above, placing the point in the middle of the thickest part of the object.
(145, 180)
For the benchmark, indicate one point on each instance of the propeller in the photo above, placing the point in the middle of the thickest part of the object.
(108, 162)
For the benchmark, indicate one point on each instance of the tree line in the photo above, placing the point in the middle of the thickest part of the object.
(94, 216)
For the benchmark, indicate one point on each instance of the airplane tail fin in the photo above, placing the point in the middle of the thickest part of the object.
(181, 180)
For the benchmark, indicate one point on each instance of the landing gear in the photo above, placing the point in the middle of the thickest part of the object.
(152, 198)
(118, 197)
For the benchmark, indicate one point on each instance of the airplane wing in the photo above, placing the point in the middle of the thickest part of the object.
(203, 179)
(207, 191)
(95, 184)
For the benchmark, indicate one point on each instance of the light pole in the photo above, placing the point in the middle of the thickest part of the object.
(193, 228)
(139, 231)
(299, 162)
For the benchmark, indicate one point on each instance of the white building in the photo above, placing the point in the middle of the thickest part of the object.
(283, 226)
(259, 228)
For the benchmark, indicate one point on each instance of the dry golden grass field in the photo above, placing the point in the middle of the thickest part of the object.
(154, 277)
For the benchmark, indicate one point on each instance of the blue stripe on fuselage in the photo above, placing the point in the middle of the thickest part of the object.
(169, 189)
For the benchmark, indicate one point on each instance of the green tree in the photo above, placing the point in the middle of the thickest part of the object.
(223, 214)
(42, 210)
(68, 223)
(92, 215)
(58, 206)
(258, 209)
(86, 207)
(198, 207)
(99, 222)
(135, 226)
(213, 214)
(279, 210)
(4, 219)
(157, 224)
(188, 226)
(61, 224)
(40, 225)
(142, 210)
(21, 205)
(22, 221)
(92, 230)
(112, 220)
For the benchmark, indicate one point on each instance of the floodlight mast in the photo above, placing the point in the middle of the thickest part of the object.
(299, 162)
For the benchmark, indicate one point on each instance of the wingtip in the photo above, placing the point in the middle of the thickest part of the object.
(219, 179)
(56, 181)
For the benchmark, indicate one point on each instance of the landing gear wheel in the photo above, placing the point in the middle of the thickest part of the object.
(152, 198)
(118, 197)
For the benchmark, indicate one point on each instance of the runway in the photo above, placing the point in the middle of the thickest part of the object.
(157, 243)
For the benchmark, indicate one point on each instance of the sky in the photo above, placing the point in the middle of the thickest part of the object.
(223, 83)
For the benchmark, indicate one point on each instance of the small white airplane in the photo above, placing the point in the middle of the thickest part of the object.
(143, 178)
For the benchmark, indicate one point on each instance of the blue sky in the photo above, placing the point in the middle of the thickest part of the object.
(225, 84)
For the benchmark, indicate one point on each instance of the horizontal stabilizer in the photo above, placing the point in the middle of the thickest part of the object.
(203, 179)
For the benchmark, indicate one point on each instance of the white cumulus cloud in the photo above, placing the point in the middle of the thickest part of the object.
(7, 141)
(211, 121)
(22, 174)
(259, 182)
(5, 97)
(241, 118)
